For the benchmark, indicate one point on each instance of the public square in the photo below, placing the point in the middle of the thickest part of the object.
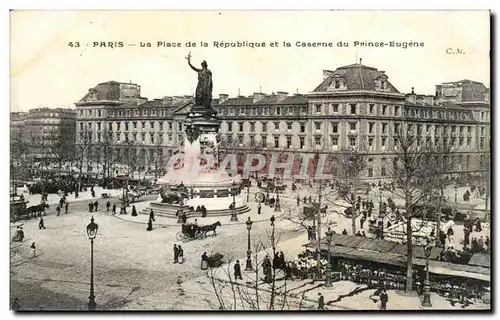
(134, 270)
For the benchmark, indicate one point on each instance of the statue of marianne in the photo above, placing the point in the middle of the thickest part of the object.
(204, 88)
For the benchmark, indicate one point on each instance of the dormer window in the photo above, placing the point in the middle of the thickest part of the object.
(337, 83)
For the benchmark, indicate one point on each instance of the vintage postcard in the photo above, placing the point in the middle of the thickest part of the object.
(250, 160)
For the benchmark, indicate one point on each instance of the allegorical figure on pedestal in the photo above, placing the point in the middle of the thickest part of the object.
(204, 88)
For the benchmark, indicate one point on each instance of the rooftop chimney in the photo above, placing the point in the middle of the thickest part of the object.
(257, 96)
(360, 60)
(429, 100)
(223, 97)
(167, 99)
(327, 74)
(281, 95)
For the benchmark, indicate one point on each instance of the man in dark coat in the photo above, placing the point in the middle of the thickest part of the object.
(58, 209)
(384, 298)
(176, 254)
(150, 225)
(41, 224)
(321, 302)
(96, 204)
(66, 208)
(114, 208)
(237, 270)
(362, 222)
(151, 215)
(259, 209)
(272, 220)
(108, 204)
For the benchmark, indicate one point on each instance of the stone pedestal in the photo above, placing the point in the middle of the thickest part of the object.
(199, 170)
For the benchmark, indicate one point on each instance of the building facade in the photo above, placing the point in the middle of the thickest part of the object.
(48, 133)
(354, 106)
(116, 125)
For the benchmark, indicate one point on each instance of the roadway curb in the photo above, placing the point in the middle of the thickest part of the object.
(166, 225)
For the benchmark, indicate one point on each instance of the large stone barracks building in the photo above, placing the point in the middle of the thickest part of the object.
(352, 105)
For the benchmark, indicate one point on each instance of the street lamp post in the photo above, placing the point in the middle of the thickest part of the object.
(249, 252)
(426, 302)
(456, 194)
(234, 217)
(92, 228)
(248, 192)
(329, 238)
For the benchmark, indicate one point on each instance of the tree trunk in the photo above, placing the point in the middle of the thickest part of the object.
(409, 247)
(318, 239)
(486, 195)
(354, 212)
(439, 213)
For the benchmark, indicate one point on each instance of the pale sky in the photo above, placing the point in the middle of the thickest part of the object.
(45, 71)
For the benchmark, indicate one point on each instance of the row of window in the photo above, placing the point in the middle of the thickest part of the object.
(145, 112)
(334, 142)
(353, 126)
(130, 137)
(133, 125)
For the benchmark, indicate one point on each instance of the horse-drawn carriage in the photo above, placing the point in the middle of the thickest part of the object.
(191, 231)
(20, 211)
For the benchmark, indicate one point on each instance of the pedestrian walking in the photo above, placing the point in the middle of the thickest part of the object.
(91, 206)
(150, 225)
(66, 208)
(321, 301)
(298, 200)
(181, 254)
(384, 298)
(151, 215)
(176, 254)
(114, 208)
(41, 224)
(237, 270)
(96, 204)
(204, 261)
(32, 251)
(134, 212)
(259, 209)
(362, 222)
(108, 204)
(58, 209)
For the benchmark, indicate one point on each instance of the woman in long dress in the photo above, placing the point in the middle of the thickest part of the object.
(32, 251)
(181, 254)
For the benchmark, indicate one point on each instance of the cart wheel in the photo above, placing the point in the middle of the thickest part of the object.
(185, 238)
(179, 236)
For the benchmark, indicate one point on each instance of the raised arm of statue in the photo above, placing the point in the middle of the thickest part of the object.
(193, 67)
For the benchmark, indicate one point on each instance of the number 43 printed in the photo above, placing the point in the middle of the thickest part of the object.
(74, 44)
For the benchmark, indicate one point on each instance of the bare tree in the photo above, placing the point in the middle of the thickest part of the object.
(485, 167)
(351, 164)
(82, 151)
(19, 154)
(253, 294)
(159, 157)
(411, 176)
(104, 153)
(442, 159)
(61, 145)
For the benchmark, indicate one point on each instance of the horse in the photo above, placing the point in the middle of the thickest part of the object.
(33, 211)
(210, 227)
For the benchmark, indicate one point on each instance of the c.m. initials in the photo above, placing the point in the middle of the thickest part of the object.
(455, 51)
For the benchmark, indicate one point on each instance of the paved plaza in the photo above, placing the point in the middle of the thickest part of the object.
(134, 268)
